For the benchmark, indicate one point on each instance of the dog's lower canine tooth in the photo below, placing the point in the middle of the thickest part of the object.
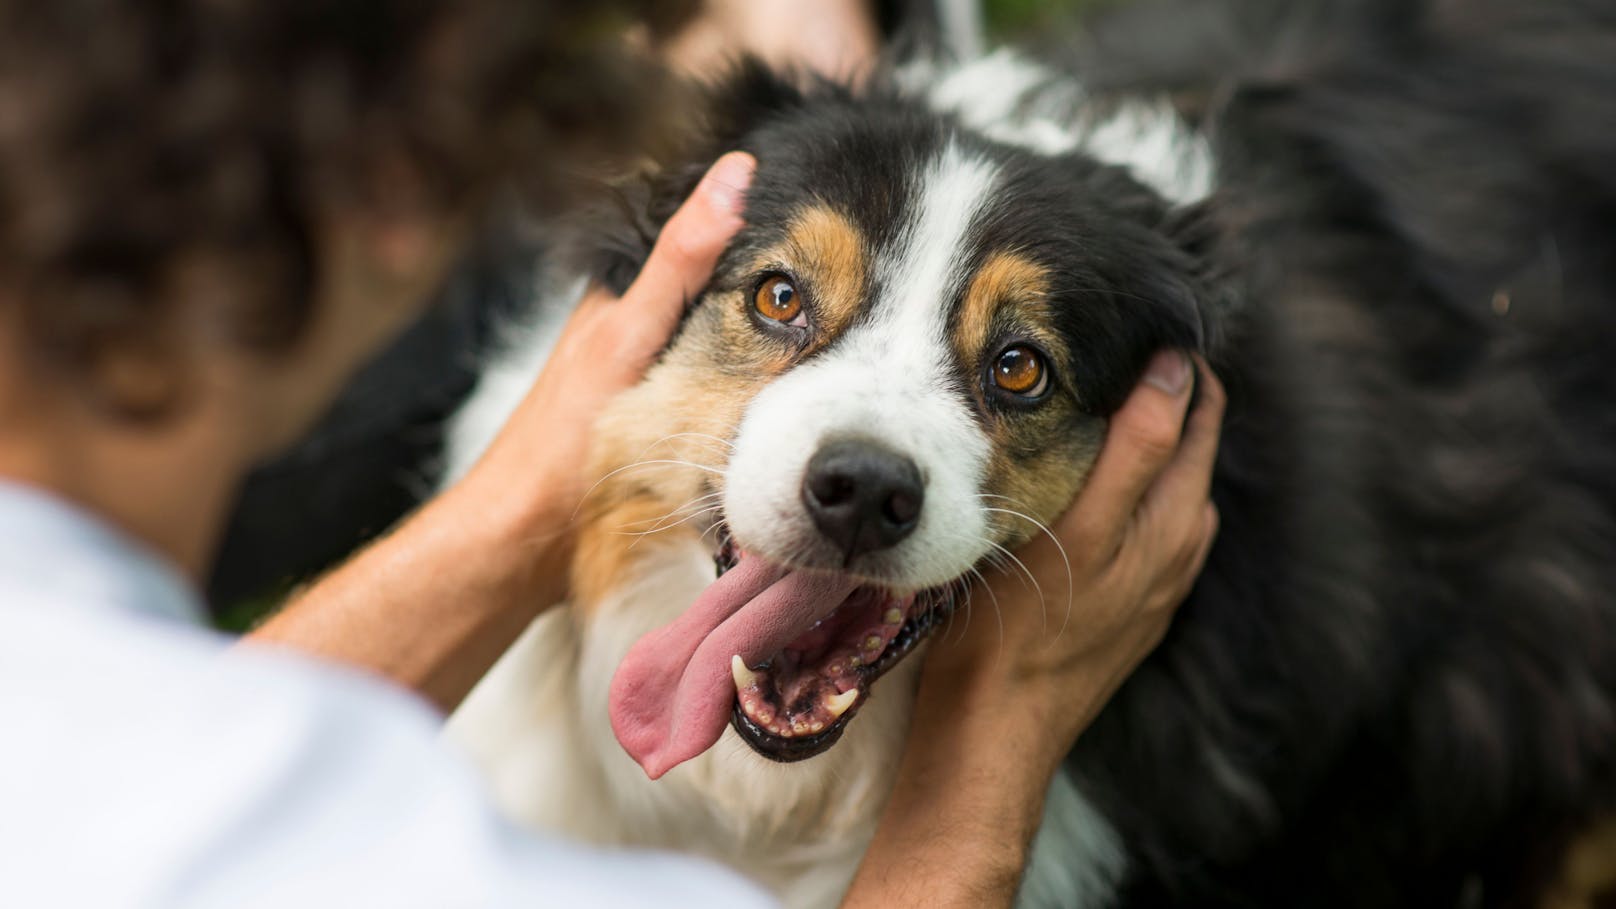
(744, 677)
(837, 704)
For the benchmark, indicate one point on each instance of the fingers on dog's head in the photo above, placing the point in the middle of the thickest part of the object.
(691, 242)
(1142, 439)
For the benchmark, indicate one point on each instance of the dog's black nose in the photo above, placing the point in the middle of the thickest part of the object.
(862, 496)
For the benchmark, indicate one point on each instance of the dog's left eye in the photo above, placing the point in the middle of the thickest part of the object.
(1021, 371)
(777, 299)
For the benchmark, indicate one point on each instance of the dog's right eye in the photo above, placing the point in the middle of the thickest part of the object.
(777, 299)
(1020, 370)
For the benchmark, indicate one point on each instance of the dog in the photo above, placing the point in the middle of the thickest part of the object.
(1388, 226)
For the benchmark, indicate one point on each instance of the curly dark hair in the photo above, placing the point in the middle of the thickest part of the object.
(145, 142)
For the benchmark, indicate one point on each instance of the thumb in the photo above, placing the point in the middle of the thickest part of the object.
(688, 248)
(1141, 440)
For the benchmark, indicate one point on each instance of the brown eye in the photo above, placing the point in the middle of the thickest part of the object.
(777, 299)
(1020, 370)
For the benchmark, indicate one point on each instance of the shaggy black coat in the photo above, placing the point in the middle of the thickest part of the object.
(1395, 684)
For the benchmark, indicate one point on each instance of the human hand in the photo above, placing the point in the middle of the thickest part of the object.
(837, 39)
(434, 603)
(997, 712)
(1098, 594)
(537, 463)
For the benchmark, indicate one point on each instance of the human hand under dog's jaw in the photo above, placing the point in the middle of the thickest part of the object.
(1090, 602)
(537, 463)
(1000, 707)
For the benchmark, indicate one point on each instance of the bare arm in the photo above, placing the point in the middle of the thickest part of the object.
(995, 716)
(434, 603)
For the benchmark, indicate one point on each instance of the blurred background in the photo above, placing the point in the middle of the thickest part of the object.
(377, 453)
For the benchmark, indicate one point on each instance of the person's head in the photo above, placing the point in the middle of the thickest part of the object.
(222, 206)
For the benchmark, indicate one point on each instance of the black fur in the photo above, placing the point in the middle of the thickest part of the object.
(1401, 652)
(1395, 683)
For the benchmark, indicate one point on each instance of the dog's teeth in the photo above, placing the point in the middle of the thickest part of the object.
(744, 677)
(893, 616)
(873, 642)
(855, 661)
(837, 704)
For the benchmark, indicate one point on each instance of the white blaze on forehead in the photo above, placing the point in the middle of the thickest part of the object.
(890, 378)
(919, 280)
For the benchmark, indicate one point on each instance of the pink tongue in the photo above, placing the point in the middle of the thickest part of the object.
(671, 697)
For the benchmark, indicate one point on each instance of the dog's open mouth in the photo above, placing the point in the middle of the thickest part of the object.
(784, 655)
(797, 703)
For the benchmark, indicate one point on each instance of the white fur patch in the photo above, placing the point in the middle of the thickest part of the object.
(505, 380)
(1077, 858)
(1012, 100)
(887, 379)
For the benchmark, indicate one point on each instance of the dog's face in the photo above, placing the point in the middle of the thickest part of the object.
(902, 368)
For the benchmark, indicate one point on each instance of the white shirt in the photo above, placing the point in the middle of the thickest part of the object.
(144, 762)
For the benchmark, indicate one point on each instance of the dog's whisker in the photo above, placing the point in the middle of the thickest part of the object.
(682, 435)
(702, 436)
(1071, 583)
(698, 500)
(655, 462)
(711, 509)
(1027, 578)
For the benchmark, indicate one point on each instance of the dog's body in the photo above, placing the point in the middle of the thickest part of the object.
(1394, 684)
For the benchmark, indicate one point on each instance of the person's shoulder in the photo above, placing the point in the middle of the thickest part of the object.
(244, 775)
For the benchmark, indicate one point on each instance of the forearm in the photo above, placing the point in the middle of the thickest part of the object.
(968, 800)
(434, 603)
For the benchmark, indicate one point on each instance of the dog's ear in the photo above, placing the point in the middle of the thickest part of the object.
(1167, 269)
(1204, 274)
(1175, 299)
(610, 240)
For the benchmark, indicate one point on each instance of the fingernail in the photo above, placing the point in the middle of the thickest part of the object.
(727, 181)
(1170, 372)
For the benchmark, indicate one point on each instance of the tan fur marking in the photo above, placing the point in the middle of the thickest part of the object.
(1011, 288)
(652, 446)
(606, 549)
(1006, 279)
(1041, 487)
(827, 252)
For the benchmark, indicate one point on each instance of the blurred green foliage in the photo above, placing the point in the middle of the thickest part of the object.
(243, 616)
(1008, 18)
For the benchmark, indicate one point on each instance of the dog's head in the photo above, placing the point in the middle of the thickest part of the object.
(903, 366)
